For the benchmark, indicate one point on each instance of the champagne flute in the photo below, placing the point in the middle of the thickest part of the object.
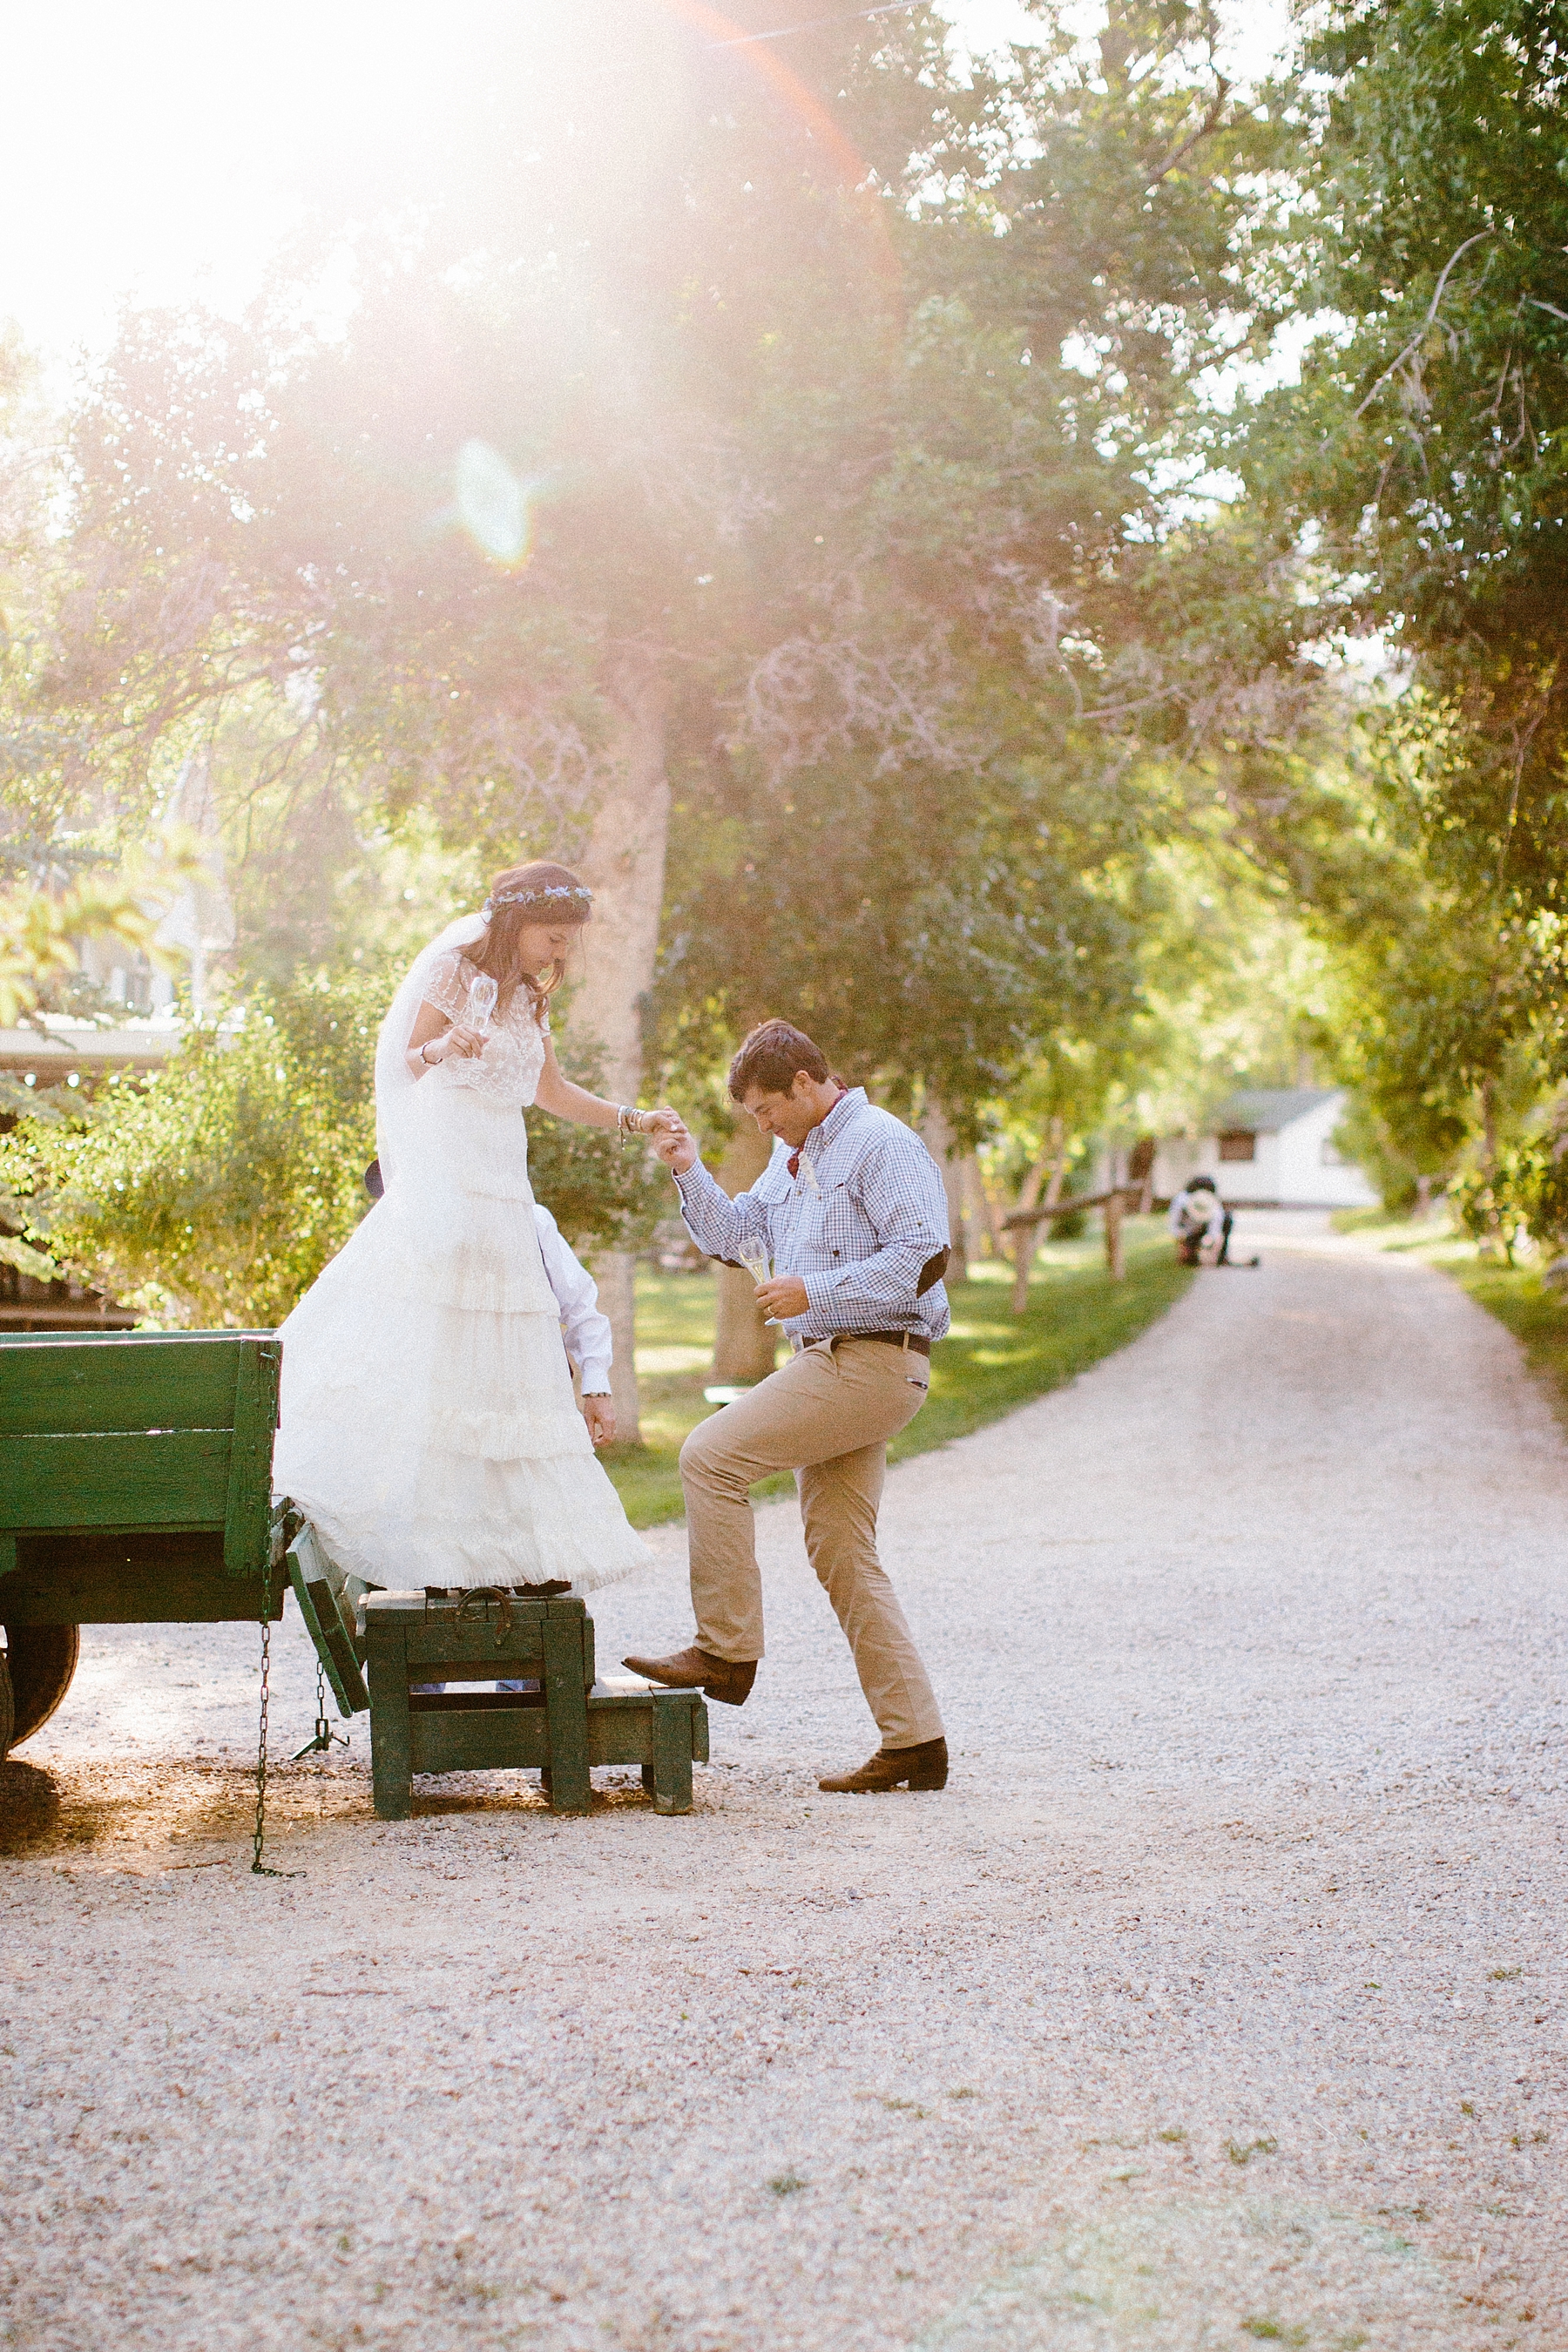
(759, 1266)
(481, 1003)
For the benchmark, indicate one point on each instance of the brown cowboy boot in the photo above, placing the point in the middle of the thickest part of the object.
(727, 1679)
(924, 1767)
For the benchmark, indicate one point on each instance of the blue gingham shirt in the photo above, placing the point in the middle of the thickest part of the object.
(857, 1224)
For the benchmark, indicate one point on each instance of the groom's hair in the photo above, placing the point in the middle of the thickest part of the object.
(771, 1058)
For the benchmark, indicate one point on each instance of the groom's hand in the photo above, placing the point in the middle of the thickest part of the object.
(784, 1295)
(675, 1143)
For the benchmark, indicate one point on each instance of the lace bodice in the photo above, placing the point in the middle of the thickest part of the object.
(508, 1070)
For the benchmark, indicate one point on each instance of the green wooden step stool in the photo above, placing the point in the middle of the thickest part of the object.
(561, 1722)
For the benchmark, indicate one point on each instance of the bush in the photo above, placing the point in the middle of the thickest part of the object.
(1524, 1191)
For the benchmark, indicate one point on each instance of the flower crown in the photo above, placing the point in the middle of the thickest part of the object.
(553, 894)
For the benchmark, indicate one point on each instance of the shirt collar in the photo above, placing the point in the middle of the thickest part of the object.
(828, 1130)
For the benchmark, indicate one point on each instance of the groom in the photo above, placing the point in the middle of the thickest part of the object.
(852, 1205)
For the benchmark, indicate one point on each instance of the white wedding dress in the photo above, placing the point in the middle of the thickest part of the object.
(428, 1425)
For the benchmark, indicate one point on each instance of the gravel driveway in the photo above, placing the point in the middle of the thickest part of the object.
(1218, 2000)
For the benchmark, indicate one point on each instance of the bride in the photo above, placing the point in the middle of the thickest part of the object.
(428, 1426)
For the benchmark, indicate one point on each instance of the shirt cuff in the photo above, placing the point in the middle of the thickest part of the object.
(594, 1379)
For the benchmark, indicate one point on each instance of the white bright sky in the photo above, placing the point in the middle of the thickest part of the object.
(158, 149)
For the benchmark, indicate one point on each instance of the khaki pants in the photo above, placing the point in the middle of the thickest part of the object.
(827, 1415)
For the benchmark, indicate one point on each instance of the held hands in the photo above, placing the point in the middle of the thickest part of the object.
(672, 1141)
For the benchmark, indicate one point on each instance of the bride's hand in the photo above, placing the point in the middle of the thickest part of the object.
(663, 1121)
(464, 1043)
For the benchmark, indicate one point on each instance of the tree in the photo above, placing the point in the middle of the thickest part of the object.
(1423, 452)
(795, 468)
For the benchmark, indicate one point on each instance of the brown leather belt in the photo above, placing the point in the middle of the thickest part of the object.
(915, 1340)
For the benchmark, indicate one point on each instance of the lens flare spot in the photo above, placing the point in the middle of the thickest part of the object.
(493, 506)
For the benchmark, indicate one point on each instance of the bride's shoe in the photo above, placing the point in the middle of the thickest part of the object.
(729, 1680)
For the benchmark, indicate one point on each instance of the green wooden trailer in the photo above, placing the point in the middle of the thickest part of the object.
(135, 1486)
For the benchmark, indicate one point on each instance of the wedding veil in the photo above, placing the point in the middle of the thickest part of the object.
(395, 1081)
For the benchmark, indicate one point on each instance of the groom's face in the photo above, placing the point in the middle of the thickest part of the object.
(792, 1116)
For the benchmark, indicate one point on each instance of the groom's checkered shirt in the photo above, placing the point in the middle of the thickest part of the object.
(858, 1224)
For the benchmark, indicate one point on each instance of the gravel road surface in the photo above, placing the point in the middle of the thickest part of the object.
(1218, 2000)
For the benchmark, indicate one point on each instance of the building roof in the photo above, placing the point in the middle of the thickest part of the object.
(1265, 1109)
(63, 1046)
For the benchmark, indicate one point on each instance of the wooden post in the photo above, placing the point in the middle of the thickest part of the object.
(1114, 1264)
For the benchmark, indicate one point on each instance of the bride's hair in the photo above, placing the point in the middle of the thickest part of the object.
(539, 892)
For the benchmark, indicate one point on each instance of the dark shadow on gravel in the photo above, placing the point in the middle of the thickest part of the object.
(29, 1808)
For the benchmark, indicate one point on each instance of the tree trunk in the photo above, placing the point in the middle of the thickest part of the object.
(1141, 1171)
(744, 1346)
(1490, 1242)
(1115, 1265)
(1054, 1157)
(984, 1217)
(624, 867)
(937, 1136)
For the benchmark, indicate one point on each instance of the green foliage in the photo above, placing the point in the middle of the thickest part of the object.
(1425, 453)
(1521, 1189)
(1432, 442)
(213, 1193)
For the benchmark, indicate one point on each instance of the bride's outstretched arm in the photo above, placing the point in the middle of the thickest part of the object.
(566, 1099)
(436, 1038)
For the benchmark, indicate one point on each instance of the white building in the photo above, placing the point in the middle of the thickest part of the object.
(1272, 1148)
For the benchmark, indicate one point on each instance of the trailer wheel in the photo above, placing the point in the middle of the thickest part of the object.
(42, 1659)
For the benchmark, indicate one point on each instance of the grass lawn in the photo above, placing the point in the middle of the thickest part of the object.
(1537, 1317)
(992, 1362)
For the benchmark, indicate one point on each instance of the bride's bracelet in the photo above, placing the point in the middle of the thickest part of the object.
(631, 1122)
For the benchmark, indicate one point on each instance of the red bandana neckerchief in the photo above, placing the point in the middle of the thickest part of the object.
(793, 1161)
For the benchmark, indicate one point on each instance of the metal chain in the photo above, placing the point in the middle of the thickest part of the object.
(323, 1736)
(258, 1867)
